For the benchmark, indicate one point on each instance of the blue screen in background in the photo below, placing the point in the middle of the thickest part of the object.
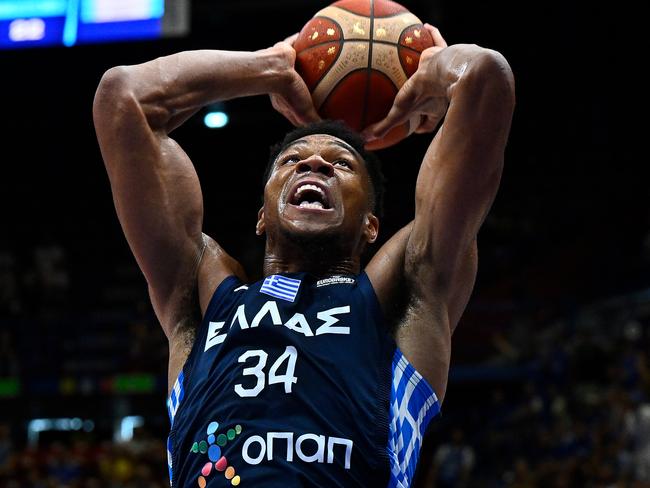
(30, 23)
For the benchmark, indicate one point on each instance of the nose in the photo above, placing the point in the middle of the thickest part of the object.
(315, 164)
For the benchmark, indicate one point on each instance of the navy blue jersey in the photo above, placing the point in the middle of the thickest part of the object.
(295, 381)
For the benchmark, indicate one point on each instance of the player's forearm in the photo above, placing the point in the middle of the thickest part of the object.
(461, 171)
(466, 156)
(170, 88)
(467, 153)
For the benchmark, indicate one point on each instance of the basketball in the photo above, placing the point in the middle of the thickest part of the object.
(354, 56)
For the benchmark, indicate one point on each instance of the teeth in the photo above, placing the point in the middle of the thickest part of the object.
(311, 205)
(309, 187)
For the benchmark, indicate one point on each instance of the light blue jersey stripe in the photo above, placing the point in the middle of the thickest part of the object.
(175, 397)
(173, 402)
(413, 404)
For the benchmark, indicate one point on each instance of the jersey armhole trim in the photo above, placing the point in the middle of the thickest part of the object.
(365, 285)
(219, 293)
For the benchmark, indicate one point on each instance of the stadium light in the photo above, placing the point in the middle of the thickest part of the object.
(127, 426)
(36, 426)
(216, 119)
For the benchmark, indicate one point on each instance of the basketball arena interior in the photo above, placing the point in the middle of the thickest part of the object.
(550, 377)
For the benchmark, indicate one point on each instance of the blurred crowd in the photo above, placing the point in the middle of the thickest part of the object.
(140, 463)
(578, 416)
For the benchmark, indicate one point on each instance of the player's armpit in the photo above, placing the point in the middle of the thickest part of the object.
(424, 337)
(424, 332)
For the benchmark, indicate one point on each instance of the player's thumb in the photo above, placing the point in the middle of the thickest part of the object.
(301, 103)
(399, 113)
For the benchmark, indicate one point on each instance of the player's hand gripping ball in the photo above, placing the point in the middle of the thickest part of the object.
(354, 56)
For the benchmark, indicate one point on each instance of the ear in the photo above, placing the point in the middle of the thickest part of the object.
(371, 227)
(260, 226)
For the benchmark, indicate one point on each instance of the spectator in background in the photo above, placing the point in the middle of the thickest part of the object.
(52, 272)
(454, 462)
(6, 447)
(638, 429)
(9, 292)
(8, 360)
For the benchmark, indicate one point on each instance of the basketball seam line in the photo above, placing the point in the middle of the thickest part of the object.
(340, 82)
(343, 41)
(338, 54)
(340, 43)
(369, 69)
(398, 45)
(405, 11)
(401, 61)
(392, 15)
(320, 78)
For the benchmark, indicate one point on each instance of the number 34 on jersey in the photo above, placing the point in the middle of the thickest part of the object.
(259, 358)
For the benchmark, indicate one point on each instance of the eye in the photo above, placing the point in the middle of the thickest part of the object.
(292, 158)
(342, 162)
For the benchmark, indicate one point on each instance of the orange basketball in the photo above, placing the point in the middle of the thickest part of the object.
(354, 55)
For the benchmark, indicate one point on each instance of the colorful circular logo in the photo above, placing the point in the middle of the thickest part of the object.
(212, 446)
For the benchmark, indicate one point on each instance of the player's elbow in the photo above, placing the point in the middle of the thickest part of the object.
(498, 71)
(117, 101)
(113, 85)
(112, 95)
(489, 72)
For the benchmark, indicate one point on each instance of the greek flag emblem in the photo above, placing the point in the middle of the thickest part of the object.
(281, 287)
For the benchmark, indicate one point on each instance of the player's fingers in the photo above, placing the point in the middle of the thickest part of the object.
(380, 129)
(438, 40)
(428, 124)
(280, 107)
(291, 39)
(308, 115)
(374, 145)
(376, 131)
(303, 105)
(291, 117)
(303, 114)
(398, 114)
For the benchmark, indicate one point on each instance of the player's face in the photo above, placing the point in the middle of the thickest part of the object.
(319, 185)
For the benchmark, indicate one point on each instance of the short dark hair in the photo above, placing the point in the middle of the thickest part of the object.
(340, 130)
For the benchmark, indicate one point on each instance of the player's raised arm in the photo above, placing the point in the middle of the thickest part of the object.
(473, 89)
(155, 187)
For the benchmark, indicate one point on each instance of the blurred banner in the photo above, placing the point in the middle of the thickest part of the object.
(35, 23)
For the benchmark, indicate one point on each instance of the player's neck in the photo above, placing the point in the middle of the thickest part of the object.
(276, 265)
(317, 261)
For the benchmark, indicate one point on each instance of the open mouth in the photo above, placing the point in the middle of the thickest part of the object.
(309, 195)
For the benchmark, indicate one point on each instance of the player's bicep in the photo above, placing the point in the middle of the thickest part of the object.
(448, 220)
(161, 214)
(155, 189)
(463, 284)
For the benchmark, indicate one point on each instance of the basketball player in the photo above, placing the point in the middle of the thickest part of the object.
(322, 374)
